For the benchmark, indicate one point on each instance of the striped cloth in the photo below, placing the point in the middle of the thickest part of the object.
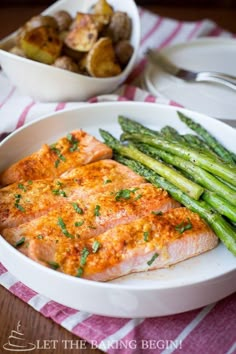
(208, 330)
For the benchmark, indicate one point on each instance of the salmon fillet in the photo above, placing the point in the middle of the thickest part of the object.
(151, 242)
(89, 217)
(22, 202)
(77, 149)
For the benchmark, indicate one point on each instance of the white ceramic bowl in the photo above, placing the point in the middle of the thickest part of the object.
(190, 284)
(47, 83)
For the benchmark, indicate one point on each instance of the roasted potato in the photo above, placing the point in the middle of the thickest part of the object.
(101, 60)
(101, 21)
(42, 44)
(39, 21)
(72, 53)
(124, 51)
(34, 22)
(119, 27)
(63, 19)
(83, 64)
(17, 51)
(84, 33)
(66, 63)
(95, 44)
(103, 8)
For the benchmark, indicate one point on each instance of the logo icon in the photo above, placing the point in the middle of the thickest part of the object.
(17, 342)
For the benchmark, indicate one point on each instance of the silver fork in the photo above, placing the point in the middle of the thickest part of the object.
(187, 75)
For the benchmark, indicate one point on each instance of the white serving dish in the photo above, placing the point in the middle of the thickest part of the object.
(47, 83)
(202, 54)
(185, 286)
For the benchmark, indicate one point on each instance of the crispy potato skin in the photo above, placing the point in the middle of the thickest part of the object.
(42, 44)
(101, 60)
(103, 8)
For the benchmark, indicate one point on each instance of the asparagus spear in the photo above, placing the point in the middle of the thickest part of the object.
(192, 139)
(189, 187)
(169, 133)
(189, 139)
(225, 154)
(222, 229)
(172, 134)
(130, 126)
(227, 183)
(209, 163)
(219, 204)
(197, 174)
(195, 141)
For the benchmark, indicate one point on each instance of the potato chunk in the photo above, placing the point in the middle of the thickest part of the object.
(63, 19)
(85, 30)
(42, 44)
(120, 27)
(66, 63)
(83, 34)
(103, 8)
(100, 61)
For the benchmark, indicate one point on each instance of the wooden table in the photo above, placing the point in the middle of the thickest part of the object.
(12, 309)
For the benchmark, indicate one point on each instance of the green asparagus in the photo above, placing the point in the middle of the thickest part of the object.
(130, 126)
(172, 134)
(225, 154)
(219, 204)
(194, 141)
(189, 187)
(222, 229)
(198, 174)
(209, 163)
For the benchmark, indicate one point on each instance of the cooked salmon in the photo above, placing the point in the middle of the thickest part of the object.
(151, 242)
(89, 217)
(76, 149)
(21, 202)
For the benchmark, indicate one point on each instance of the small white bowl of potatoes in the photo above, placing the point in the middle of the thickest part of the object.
(74, 50)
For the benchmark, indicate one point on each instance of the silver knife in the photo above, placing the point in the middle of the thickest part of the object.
(191, 76)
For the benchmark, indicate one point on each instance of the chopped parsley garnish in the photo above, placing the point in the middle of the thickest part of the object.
(30, 182)
(79, 223)
(145, 236)
(77, 208)
(157, 212)
(73, 141)
(59, 183)
(64, 230)
(58, 153)
(69, 137)
(21, 186)
(53, 265)
(97, 210)
(20, 207)
(74, 147)
(59, 192)
(56, 163)
(79, 272)
(183, 226)
(138, 197)
(40, 237)
(125, 193)
(20, 242)
(96, 245)
(107, 181)
(84, 255)
(153, 259)
(17, 202)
